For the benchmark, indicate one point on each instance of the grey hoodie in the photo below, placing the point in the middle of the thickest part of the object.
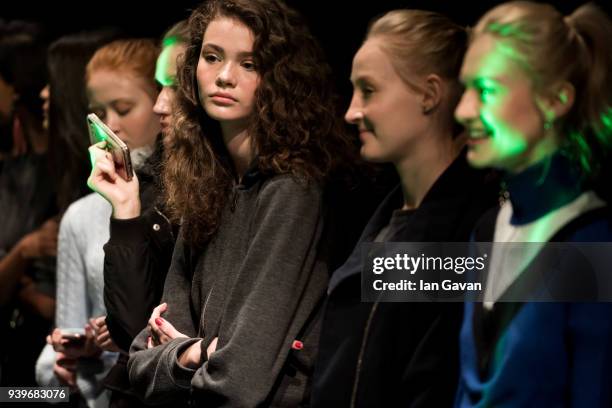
(256, 286)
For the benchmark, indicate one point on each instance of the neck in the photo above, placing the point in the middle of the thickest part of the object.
(539, 152)
(543, 187)
(238, 143)
(420, 169)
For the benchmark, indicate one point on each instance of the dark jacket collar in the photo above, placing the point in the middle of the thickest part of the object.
(542, 188)
(437, 219)
(151, 167)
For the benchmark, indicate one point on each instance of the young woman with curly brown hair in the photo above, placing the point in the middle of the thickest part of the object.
(255, 140)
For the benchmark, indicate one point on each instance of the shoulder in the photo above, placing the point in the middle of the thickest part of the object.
(590, 220)
(594, 226)
(287, 189)
(86, 210)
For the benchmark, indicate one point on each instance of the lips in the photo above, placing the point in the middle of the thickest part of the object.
(364, 134)
(223, 98)
(479, 132)
(478, 135)
(364, 130)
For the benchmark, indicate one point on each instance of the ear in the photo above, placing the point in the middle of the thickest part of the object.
(558, 101)
(432, 93)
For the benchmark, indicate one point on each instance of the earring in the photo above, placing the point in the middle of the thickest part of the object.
(548, 125)
(426, 110)
(549, 119)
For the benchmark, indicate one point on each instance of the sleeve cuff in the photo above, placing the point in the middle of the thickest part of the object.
(182, 375)
(127, 232)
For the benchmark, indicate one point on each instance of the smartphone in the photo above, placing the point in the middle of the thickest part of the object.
(98, 132)
(74, 336)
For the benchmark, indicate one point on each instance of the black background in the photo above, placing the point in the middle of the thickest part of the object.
(339, 25)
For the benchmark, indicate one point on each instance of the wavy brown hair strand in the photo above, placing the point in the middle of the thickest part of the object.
(295, 127)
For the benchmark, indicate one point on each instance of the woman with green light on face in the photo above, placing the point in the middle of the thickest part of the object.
(140, 239)
(538, 106)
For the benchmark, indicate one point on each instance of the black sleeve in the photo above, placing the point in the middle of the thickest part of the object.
(155, 374)
(137, 257)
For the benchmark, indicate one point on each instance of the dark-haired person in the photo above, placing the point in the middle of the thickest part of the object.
(256, 137)
(28, 227)
(121, 90)
(65, 106)
(538, 106)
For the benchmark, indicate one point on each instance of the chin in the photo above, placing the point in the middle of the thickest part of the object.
(369, 155)
(223, 113)
(478, 159)
(477, 163)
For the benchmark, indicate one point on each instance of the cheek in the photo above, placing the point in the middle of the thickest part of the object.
(520, 115)
(401, 121)
(143, 123)
(205, 75)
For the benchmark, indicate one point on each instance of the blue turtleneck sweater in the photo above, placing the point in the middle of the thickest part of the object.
(542, 188)
(540, 354)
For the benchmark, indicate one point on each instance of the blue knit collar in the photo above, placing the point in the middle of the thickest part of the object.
(542, 188)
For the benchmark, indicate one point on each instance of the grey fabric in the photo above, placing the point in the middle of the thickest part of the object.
(255, 286)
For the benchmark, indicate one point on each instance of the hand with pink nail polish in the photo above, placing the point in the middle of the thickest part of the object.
(162, 331)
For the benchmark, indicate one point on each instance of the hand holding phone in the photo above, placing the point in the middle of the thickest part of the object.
(120, 152)
(73, 342)
(72, 337)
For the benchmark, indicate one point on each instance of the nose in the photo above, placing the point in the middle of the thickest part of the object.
(226, 76)
(468, 107)
(354, 114)
(163, 104)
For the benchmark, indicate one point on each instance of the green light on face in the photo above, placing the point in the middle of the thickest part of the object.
(494, 80)
(163, 62)
(506, 140)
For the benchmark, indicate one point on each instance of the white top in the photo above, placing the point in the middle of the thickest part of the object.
(507, 261)
(84, 230)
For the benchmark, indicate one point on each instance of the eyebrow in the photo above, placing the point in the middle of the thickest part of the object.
(480, 81)
(111, 103)
(220, 50)
(360, 80)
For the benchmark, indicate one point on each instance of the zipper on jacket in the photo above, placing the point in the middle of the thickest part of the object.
(204, 310)
(167, 220)
(361, 352)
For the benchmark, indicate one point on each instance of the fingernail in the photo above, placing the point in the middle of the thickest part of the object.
(159, 321)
